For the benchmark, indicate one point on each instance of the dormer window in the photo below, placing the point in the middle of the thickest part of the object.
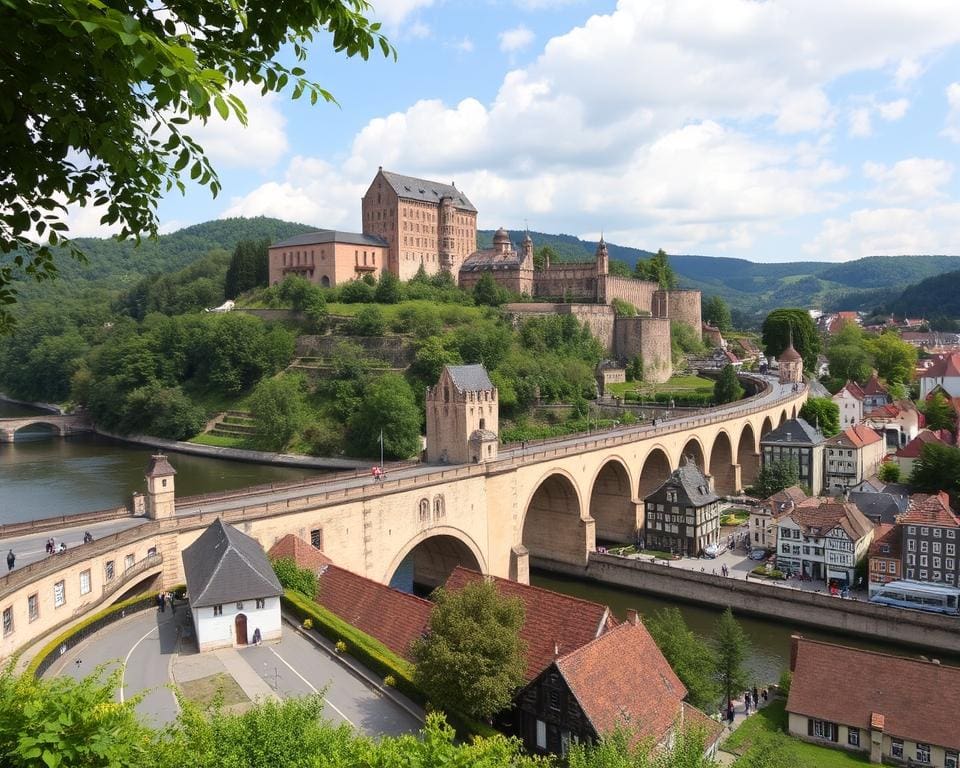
(885, 549)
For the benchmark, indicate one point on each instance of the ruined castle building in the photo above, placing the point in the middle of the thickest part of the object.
(327, 257)
(423, 223)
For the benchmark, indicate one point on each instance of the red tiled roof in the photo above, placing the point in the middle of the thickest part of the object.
(552, 622)
(912, 449)
(711, 728)
(886, 534)
(853, 388)
(874, 387)
(303, 554)
(897, 688)
(889, 411)
(856, 436)
(943, 365)
(622, 678)
(930, 510)
(818, 520)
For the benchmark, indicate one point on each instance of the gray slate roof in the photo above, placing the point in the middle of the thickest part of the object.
(322, 236)
(490, 259)
(879, 507)
(691, 481)
(159, 466)
(225, 565)
(816, 389)
(793, 431)
(469, 378)
(412, 188)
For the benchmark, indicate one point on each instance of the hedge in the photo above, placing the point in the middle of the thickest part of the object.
(67, 635)
(376, 657)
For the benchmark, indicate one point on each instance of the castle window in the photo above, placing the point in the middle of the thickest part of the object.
(424, 510)
(446, 394)
(438, 507)
(483, 423)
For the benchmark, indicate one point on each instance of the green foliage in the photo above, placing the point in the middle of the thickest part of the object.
(937, 295)
(432, 355)
(848, 354)
(727, 389)
(684, 341)
(893, 358)
(191, 289)
(690, 657)
(623, 308)
(105, 98)
(716, 312)
(619, 268)
(730, 646)
(389, 290)
(823, 413)
(542, 256)
(292, 577)
(658, 270)
(623, 749)
(160, 411)
(473, 657)
(774, 477)
(487, 292)
(388, 405)
(356, 292)
(938, 413)
(249, 268)
(279, 411)
(889, 472)
(369, 322)
(635, 369)
(786, 678)
(777, 330)
(937, 469)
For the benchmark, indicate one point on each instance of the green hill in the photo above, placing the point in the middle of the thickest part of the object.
(935, 296)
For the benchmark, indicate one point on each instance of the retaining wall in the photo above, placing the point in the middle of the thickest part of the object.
(924, 630)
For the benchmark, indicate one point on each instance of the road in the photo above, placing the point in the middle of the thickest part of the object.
(30, 547)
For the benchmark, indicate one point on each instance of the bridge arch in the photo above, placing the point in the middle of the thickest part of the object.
(748, 455)
(694, 449)
(765, 427)
(722, 465)
(654, 471)
(428, 558)
(553, 521)
(783, 416)
(47, 427)
(611, 502)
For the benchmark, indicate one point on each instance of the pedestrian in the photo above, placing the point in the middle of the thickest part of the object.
(764, 694)
(63, 546)
(11, 559)
(755, 692)
(173, 608)
(730, 714)
(49, 546)
(160, 602)
(756, 700)
(256, 636)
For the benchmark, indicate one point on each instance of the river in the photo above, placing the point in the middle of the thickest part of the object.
(43, 476)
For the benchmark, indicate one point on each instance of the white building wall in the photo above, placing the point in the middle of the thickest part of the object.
(218, 631)
(851, 409)
(950, 383)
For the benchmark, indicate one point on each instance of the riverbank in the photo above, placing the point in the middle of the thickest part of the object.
(46, 407)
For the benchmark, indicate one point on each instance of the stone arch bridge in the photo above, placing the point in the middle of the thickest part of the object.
(60, 425)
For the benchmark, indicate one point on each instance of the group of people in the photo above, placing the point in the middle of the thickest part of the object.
(164, 599)
(751, 700)
(52, 545)
(378, 473)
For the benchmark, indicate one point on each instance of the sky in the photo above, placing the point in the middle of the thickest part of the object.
(773, 130)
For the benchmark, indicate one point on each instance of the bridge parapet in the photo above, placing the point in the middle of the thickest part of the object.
(64, 425)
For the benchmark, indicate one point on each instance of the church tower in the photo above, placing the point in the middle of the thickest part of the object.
(462, 416)
(790, 364)
(160, 495)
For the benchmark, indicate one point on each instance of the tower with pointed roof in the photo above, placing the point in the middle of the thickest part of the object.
(462, 416)
(790, 364)
(603, 258)
(160, 488)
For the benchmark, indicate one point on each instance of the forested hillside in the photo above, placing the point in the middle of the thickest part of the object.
(933, 297)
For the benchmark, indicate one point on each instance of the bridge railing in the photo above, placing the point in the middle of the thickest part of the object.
(150, 561)
(9, 530)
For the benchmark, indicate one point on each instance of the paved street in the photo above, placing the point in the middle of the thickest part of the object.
(146, 647)
(30, 548)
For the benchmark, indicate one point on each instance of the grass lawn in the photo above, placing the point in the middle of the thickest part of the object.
(205, 689)
(773, 719)
(677, 384)
(451, 314)
(735, 517)
(220, 441)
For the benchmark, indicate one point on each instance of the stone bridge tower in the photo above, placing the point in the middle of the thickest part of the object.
(160, 493)
(462, 416)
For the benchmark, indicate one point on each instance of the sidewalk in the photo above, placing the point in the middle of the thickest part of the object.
(739, 718)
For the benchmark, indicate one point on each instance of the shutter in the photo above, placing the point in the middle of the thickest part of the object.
(809, 726)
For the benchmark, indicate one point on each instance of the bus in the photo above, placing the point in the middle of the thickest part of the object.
(919, 595)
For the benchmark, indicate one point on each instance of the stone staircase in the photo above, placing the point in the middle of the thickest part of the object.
(232, 424)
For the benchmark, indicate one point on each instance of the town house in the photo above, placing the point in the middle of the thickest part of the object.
(823, 541)
(763, 517)
(854, 454)
(850, 402)
(797, 442)
(930, 536)
(885, 563)
(683, 514)
(943, 372)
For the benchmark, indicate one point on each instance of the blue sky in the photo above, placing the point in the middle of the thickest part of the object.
(773, 130)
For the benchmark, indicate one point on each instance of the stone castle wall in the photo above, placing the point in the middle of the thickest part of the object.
(599, 318)
(571, 281)
(637, 292)
(682, 306)
(648, 337)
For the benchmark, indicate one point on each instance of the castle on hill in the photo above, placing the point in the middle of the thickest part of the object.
(411, 223)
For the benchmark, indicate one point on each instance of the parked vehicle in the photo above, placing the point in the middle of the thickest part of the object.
(715, 550)
(758, 554)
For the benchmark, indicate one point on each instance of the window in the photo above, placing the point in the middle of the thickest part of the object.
(911, 559)
(883, 566)
(785, 548)
(951, 550)
(316, 538)
(923, 560)
(950, 760)
(923, 753)
(108, 570)
(59, 594)
(261, 603)
(924, 531)
(84, 581)
(911, 529)
(541, 734)
(823, 729)
(853, 737)
(218, 610)
(896, 748)
(936, 533)
(924, 546)
(424, 510)
(893, 568)
(555, 701)
(936, 547)
(33, 607)
(239, 605)
(128, 562)
(911, 545)
(7, 621)
(438, 507)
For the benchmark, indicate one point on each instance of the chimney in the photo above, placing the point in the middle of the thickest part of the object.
(794, 649)
(632, 616)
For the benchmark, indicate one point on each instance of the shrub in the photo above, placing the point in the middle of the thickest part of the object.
(786, 678)
(775, 574)
(293, 577)
(390, 681)
(308, 623)
(341, 647)
(760, 570)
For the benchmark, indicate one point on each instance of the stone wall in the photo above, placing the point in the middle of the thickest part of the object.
(571, 281)
(682, 306)
(600, 318)
(760, 598)
(395, 350)
(648, 337)
(637, 292)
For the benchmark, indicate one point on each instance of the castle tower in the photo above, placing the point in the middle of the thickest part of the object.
(603, 259)
(160, 494)
(501, 242)
(790, 364)
(462, 416)
(526, 252)
(446, 232)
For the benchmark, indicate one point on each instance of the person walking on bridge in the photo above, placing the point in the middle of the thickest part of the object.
(11, 559)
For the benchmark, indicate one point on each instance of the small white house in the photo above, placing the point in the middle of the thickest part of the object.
(232, 589)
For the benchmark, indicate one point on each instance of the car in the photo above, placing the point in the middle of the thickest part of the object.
(714, 550)
(758, 554)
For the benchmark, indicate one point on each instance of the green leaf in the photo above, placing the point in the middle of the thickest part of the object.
(221, 106)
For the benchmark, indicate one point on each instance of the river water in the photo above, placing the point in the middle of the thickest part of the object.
(43, 476)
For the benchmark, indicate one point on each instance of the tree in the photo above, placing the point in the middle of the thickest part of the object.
(389, 290)
(623, 308)
(279, 411)
(102, 96)
(717, 313)
(848, 355)
(727, 388)
(822, 412)
(292, 576)
(889, 472)
(624, 749)
(730, 646)
(938, 413)
(388, 405)
(542, 256)
(487, 292)
(472, 659)
(777, 330)
(249, 267)
(431, 356)
(369, 322)
(894, 358)
(690, 657)
(774, 477)
(635, 369)
(937, 469)
(619, 268)
(658, 270)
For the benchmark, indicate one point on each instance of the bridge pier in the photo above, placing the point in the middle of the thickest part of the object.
(6, 435)
(520, 564)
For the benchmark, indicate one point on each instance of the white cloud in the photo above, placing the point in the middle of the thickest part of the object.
(952, 128)
(807, 110)
(394, 12)
(516, 39)
(860, 123)
(907, 71)
(893, 110)
(888, 232)
(418, 30)
(464, 46)
(913, 180)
